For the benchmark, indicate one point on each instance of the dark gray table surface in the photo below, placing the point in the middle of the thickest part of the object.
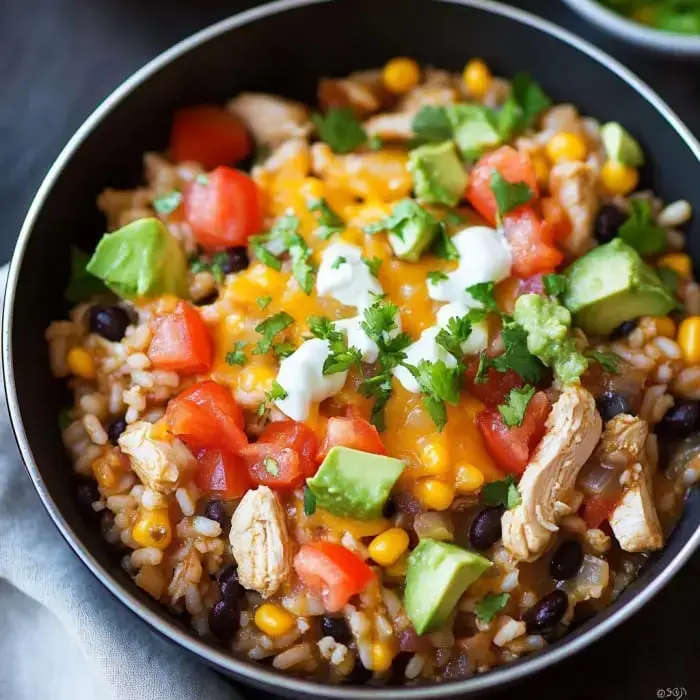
(60, 58)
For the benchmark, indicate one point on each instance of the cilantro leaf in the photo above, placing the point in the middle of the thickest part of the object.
(405, 212)
(340, 129)
(454, 218)
(302, 271)
(440, 384)
(375, 142)
(509, 195)
(431, 125)
(329, 222)
(527, 100)
(488, 606)
(555, 285)
(283, 349)
(436, 276)
(373, 264)
(236, 356)
(277, 393)
(340, 357)
(516, 355)
(513, 411)
(82, 286)
(216, 266)
(309, 501)
(483, 292)
(443, 247)
(609, 361)
(269, 328)
(454, 334)
(475, 128)
(338, 262)
(264, 255)
(640, 231)
(168, 203)
(263, 302)
(501, 493)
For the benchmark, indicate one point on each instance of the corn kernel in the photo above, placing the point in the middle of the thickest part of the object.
(273, 620)
(434, 494)
(618, 178)
(382, 656)
(689, 339)
(386, 548)
(468, 478)
(104, 474)
(541, 166)
(312, 188)
(152, 528)
(397, 570)
(80, 363)
(160, 431)
(665, 326)
(477, 78)
(434, 457)
(678, 262)
(565, 146)
(400, 75)
(357, 528)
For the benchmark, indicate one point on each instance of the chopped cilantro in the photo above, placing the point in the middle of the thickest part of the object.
(236, 356)
(264, 255)
(309, 501)
(501, 493)
(340, 357)
(431, 125)
(439, 384)
(338, 262)
(263, 302)
(283, 349)
(443, 247)
(526, 102)
(516, 356)
(329, 222)
(454, 218)
(436, 276)
(271, 466)
(375, 142)
(640, 231)
(509, 195)
(82, 286)
(301, 269)
(340, 129)
(488, 606)
(269, 328)
(483, 292)
(277, 393)
(214, 264)
(555, 285)
(456, 332)
(406, 211)
(609, 361)
(513, 410)
(168, 203)
(373, 264)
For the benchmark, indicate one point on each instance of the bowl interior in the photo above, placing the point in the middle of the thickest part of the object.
(284, 52)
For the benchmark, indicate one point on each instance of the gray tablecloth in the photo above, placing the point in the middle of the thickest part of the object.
(62, 635)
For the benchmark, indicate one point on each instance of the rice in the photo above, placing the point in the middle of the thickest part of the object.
(206, 526)
(94, 429)
(185, 501)
(675, 214)
(147, 555)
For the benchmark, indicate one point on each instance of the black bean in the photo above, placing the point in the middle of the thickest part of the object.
(115, 429)
(546, 612)
(337, 628)
(215, 510)
(224, 619)
(109, 321)
(679, 421)
(623, 330)
(608, 223)
(485, 529)
(235, 261)
(566, 561)
(359, 675)
(228, 583)
(611, 404)
(87, 493)
(208, 299)
(390, 507)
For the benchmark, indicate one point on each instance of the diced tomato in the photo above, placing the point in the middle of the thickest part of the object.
(208, 135)
(597, 509)
(207, 416)
(296, 436)
(223, 208)
(556, 218)
(333, 571)
(531, 243)
(181, 342)
(512, 165)
(511, 446)
(497, 386)
(222, 473)
(273, 466)
(355, 432)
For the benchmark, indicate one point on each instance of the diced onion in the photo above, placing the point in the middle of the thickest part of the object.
(590, 581)
(598, 479)
(435, 526)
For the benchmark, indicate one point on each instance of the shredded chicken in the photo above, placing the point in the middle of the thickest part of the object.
(362, 97)
(573, 430)
(272, 119)
(573, 185)
(634, 521)
(159, 464)
(260, 542)
(391, 126)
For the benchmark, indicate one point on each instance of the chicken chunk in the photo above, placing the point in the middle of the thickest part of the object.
(634, 521)
(573, 430)
(362, 98)
(272, 119)
(573, 185)
(159, 464)
(260, 542)
(290, 160)
(391, 126)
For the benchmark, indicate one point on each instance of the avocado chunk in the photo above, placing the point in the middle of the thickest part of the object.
(612, 284)
(474, 127)
(438, 573)
(355, 484)
(140, 259)
(547, 324)
(620, 145)
(438, 174)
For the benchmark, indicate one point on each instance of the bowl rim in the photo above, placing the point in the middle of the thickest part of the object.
(635, 32)
(248, 670)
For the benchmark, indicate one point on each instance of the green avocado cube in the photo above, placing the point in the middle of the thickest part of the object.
(438, 174)
(355, 484)
(620, 145)
(475, 129)
(141, 259)
(612, 284)
(438, 573)
(412, 230)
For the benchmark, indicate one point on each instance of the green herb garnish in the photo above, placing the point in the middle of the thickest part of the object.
(501, 493)
(236, 356)
(269, 328)
(513, 410)
(340, 129)
(488, 606)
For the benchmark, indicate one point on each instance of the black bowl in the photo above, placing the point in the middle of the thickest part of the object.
(284, 48)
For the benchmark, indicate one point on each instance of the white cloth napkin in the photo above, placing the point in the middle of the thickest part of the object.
(62, 635)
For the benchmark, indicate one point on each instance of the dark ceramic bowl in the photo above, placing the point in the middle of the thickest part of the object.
(284, 48)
